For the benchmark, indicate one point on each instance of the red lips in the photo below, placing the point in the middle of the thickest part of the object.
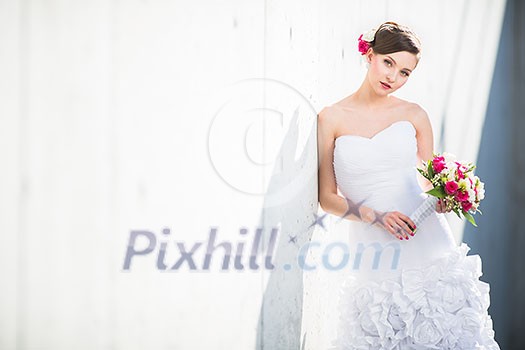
(386, 85)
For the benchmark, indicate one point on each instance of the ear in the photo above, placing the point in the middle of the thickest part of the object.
(369, 54)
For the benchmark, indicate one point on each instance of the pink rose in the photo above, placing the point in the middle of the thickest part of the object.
(438, 163)
(461, 196)
(363, 45)
(466, 205)
(451, 187)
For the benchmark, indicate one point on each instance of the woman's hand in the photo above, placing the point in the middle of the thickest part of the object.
(441, 207)
(398, 224)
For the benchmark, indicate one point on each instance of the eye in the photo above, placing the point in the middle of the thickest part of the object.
(405, 73)
(387, 62)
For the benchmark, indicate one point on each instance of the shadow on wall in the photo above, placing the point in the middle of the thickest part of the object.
(291, 221)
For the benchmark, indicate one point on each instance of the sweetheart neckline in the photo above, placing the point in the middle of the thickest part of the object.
(378, 133)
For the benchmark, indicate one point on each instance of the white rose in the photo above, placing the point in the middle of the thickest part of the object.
(481, 193)
(449, 341)
(471, 195)
(449, 157)
(370, 35)
(368, 322)
(427, 331)
(480, 186)
(469, 324)
(450, 296)
(390, 318)
(395, 317)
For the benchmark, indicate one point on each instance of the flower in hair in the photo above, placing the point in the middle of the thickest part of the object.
(365, 40)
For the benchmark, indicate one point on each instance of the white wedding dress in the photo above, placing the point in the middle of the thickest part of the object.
(421, 293)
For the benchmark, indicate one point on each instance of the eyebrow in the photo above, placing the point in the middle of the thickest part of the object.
(396, 63)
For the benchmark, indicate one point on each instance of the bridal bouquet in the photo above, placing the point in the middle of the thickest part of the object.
(455, 183)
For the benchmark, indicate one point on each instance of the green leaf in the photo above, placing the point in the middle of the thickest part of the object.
(430, 169)
(424, 174)
(437, 192)
(470, 218)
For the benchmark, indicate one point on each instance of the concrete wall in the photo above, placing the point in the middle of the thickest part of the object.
(194, 122)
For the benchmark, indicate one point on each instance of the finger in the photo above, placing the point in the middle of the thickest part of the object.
(395, 227)
(400, 230)
(410, 224)
(392, 229)
(406, 229)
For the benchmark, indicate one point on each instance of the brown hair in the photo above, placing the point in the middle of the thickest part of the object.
(392, 37)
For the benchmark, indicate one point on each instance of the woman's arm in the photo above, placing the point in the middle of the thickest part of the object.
(330, 201)
(425, 143)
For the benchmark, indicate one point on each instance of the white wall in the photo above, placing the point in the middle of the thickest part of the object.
(136, 115)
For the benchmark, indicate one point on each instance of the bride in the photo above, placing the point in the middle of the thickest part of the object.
(405, 288)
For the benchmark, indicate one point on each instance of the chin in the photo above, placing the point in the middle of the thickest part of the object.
(385, 92)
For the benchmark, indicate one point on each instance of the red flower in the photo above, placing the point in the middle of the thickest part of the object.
(451, 187)
(466, 205)
(461, 196)
(438, 163)
(363, 45)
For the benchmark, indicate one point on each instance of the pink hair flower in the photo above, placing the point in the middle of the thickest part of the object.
(365, 40)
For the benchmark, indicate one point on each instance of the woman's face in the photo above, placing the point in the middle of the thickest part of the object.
(389, 72)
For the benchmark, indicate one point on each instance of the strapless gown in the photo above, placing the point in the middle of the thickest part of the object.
(424, 293)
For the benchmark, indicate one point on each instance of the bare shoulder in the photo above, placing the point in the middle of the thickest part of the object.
(417, 110)
(327, 119)
(419, 116)
(416, 114)
(333, 111)
(424, 133)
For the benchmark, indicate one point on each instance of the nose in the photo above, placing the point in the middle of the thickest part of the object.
(389, 78)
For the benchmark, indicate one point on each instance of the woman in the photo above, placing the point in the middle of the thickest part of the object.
(404, 290)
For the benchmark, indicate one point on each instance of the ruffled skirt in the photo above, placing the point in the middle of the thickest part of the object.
(443, 305)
